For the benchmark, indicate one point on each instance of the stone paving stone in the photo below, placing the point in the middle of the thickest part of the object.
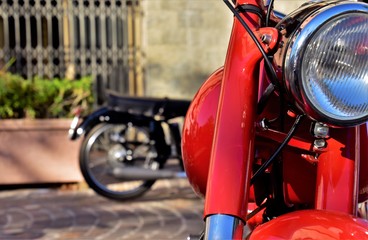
(169, 211)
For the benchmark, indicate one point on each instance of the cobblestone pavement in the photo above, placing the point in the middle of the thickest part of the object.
(169, 211)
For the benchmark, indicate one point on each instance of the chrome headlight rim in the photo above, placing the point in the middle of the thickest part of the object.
(296, 48)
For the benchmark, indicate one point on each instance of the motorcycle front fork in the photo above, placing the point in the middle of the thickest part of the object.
(231, 228)
(221, 226)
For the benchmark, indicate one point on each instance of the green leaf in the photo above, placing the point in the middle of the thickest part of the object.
(42, 98)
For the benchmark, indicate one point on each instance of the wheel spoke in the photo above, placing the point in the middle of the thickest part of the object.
(117, 146)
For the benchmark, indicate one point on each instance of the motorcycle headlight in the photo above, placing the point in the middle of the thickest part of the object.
(326, 64)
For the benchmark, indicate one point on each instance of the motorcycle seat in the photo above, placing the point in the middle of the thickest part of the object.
(148, 106)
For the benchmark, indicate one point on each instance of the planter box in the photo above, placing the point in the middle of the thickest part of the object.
(38, 152)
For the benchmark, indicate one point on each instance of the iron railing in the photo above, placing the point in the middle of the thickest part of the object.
(73, 39)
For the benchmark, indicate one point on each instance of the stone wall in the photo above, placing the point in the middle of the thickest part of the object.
(184, 41)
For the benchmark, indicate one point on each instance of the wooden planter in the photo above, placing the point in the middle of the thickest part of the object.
(37, 151)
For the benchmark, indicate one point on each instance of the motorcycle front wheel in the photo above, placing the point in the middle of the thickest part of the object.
(109, 146)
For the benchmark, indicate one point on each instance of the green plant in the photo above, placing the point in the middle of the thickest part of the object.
(42, 98)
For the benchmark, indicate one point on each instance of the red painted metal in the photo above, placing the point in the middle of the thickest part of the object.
(295, 142)
(299, 179)
(233, 144)
(198, 132)
(313, 224)
(336, 168)
(257, 219)
(363, 176)
(220, 138)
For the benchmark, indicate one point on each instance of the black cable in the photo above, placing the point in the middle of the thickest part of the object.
(278, 150)
(251, 9)
(264, 98)
(257, 210)
(269, 10)
(269, 66)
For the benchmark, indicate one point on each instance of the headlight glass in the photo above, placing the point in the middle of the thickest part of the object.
(334, 68)
(325, 61)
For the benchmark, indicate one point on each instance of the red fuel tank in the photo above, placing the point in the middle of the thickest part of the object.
(198, 132)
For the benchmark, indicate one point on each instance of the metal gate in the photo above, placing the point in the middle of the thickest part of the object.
(52, 38)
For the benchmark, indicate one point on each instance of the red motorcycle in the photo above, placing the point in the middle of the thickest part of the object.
(287, 121)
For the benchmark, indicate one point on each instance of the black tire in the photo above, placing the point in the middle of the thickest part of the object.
(123, 145)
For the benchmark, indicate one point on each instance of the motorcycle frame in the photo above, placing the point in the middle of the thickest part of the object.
(228, 184)
(156, 131)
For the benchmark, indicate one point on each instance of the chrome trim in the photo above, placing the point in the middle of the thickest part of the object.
(278, 14)
(221, 227)
(363, 210)
(356, 171)
(73, 126)
(300, 40)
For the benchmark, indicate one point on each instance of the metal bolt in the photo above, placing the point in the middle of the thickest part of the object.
(321, 130)
(319, 144)
(104, 118)
(281, 44)
(263, 124)
(266, 38)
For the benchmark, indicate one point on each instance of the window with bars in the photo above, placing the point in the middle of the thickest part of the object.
(73, 39)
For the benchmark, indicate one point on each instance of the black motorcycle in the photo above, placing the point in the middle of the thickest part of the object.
(128, 142)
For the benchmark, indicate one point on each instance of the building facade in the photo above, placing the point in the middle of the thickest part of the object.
(186, 40)
(157, 48)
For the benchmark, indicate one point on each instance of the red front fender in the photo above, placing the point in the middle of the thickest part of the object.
(313, 224)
